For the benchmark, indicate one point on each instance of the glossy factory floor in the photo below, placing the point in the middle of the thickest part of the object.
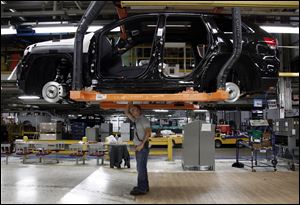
(69, 183)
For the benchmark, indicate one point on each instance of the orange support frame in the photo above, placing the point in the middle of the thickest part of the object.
(185, 96)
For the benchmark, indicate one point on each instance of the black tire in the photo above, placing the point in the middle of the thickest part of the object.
(218, 143)
(274, 162)
(239, 144)
(293, 167)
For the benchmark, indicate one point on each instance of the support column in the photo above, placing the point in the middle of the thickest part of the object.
(285, 94)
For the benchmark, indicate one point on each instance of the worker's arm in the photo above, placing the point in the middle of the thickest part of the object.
(146, 138)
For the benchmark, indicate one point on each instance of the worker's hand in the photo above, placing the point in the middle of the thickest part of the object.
(139, 147)
(128, 106)
(127, 111)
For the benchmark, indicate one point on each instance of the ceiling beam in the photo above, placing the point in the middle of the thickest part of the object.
(251, 4)
(71, 12)
(43, 13)
(75, 12)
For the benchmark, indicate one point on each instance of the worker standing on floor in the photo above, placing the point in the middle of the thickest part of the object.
(142, 132)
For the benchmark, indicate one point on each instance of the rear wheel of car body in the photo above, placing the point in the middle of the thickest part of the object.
(218, 143)
(53, 92)
(234, 92)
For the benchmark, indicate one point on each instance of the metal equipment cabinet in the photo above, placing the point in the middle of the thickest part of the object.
(50, 131)
(92, 133)
(105, 131)
(287, 133)
(199, 146)
(287, 140)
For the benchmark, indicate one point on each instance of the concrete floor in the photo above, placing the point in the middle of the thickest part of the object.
(69, 183)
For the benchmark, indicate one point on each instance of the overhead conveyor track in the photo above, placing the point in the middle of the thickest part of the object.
(203, 4)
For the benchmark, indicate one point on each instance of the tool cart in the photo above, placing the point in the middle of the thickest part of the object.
(261, 140)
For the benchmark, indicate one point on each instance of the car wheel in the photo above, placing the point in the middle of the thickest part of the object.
(234, 92)
(53, 92)
(218, 143)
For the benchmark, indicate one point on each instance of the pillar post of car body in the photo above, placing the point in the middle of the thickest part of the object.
(237, 48)
(90, 14)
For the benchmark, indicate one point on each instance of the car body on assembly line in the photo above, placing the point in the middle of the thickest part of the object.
(154, 53)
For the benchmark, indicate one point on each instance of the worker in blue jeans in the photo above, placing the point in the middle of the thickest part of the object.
(142, 132)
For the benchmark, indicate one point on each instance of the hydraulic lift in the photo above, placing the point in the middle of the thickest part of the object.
(226, 91)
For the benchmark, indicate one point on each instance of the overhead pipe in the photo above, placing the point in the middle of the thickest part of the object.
(246, 4)
(90, 14)
(237, 48)
(78, 5)
(54, 8)
(77, 12)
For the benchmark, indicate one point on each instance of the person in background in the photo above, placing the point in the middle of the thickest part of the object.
(142, 132)
(158, 133)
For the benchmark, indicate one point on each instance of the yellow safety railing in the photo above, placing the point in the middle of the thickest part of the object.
(66, 142)
(153, 141)
(158, 141)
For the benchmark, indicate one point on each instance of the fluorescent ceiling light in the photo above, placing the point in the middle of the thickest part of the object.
(200, 110)
(45, 23)
(280, 29)
(29, 97)
(13, 11)
(7, 31)
(173, 26)
(67, 29)
(55, 29)
(149, 115)
(161, 110)
(3, 2)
